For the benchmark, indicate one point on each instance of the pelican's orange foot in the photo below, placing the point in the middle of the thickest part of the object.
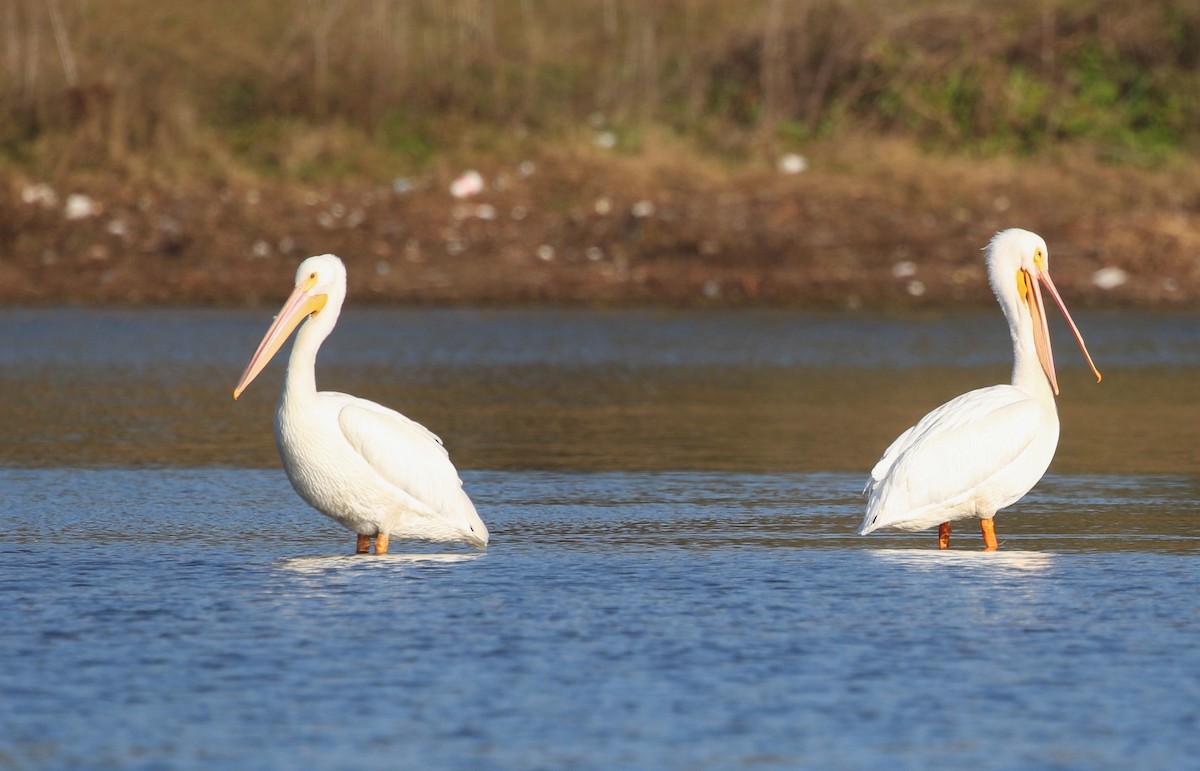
(989, 534)
(944, 535)
(381, 544)
(363, 545)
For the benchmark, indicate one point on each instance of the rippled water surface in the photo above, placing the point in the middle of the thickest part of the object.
(673, 580)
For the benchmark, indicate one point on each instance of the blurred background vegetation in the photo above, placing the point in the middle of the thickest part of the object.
(843, 153)
(322, 86)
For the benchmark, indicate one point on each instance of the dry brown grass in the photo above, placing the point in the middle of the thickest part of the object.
(97, 82)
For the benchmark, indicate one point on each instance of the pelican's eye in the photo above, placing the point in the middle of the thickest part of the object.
(1039, 258)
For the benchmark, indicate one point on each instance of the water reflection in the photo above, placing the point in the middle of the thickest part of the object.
(591, 391)
(961, 559)
(340, 562)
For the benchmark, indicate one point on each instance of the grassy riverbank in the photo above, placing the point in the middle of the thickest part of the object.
(788, 152)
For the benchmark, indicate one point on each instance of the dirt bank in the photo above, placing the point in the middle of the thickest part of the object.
(867, 223)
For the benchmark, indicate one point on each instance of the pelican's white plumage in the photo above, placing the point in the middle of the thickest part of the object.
(982, 451)
(367, 467)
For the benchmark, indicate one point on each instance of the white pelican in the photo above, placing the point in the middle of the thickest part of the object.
(368, 468)
(984, 450)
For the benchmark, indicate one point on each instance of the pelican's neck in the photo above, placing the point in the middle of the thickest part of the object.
(1012, 283)
(1027, 373)
(301, 379)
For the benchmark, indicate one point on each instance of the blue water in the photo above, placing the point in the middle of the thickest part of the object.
(170, 618)
(169, 610)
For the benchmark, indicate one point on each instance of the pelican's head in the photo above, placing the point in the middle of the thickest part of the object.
(1018, 266)
(323, 274)
(320, 288)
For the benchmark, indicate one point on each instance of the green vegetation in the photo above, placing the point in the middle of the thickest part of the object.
(276, 87)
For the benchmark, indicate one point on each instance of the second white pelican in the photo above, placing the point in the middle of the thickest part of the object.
(982, 451)
(368, 468)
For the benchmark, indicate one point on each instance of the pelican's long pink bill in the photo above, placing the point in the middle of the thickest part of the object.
(1041, 330)
(297, 308)
(1045, 278)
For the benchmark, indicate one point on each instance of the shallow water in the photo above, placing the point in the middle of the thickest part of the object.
(673, 579)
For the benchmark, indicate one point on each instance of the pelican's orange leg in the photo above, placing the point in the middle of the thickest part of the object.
(989, 534)
(944, 535)
(363, 546)
(381, 544)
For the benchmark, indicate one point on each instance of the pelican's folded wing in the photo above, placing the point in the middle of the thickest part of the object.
(950, 452)
(404, 453)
